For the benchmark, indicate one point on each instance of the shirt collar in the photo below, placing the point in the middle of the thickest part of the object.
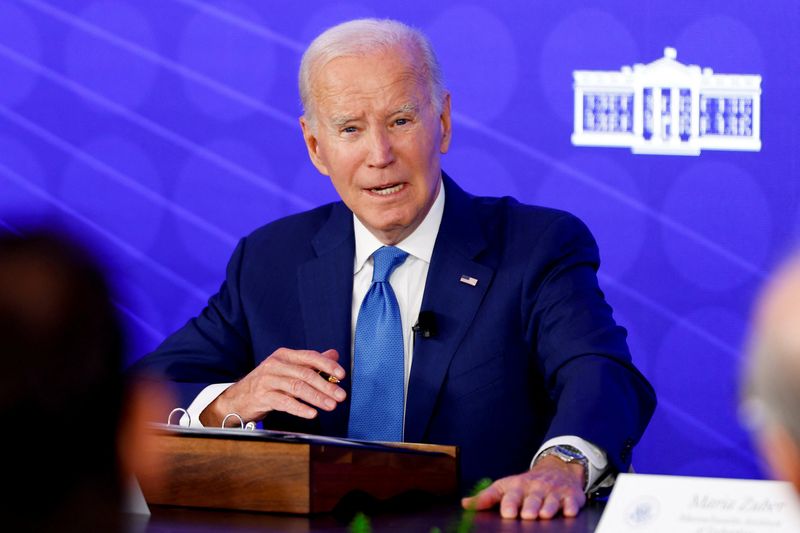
(419, 243)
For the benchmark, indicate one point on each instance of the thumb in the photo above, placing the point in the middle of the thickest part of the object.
(485, 499)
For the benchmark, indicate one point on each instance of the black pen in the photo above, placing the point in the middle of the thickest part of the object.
(326, 376)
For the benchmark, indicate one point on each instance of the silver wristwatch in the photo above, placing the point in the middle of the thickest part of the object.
(568, 454)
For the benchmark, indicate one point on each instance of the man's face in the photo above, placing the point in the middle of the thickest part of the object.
(379, 138)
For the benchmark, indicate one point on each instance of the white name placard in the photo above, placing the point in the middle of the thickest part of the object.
(678, 504)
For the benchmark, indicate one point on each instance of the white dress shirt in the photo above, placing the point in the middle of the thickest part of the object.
(407, 280)
(408, 284)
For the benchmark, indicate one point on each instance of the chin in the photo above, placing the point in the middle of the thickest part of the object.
(389, 221)
(394, 227)
(389, 229)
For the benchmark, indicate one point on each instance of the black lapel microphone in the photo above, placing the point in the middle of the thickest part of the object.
(426, 324)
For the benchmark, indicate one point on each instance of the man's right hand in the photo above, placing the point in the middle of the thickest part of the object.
(287, 380)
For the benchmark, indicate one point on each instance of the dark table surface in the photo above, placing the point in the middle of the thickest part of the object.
(422, 519)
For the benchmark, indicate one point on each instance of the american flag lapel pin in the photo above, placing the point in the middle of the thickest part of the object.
(468, 280)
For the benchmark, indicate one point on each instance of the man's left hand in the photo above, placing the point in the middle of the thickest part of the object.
(551, 485)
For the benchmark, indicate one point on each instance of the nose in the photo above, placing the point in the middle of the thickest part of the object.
(380, 154)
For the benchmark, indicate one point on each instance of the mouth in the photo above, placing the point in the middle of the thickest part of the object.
(387, 190)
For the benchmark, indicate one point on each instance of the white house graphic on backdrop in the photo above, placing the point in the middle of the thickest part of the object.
(666, 107)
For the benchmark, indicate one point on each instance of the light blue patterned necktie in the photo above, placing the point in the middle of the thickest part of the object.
(376, 404)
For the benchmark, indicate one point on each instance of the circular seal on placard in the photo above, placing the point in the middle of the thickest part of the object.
(642, 511)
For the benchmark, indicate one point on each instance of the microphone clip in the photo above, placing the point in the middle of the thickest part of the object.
(426, 324)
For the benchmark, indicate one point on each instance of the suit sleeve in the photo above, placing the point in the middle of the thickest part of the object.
(596, 391)
(213, 347)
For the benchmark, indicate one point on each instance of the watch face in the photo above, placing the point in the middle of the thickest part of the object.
(568, 453)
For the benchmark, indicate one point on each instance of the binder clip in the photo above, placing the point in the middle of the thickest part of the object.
(250, 426)
(185, 413)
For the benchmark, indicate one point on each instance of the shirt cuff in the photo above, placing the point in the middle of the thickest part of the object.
(206, 396)
(598, 462)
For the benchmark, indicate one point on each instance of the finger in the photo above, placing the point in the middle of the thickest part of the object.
(314, 360)
(292, 380)
(571, 505)
(531, 506)
(510, 504)
(485, 499)
(550, 507)
(299, 388)
(279, 401)
(331, 354)
(313, 378)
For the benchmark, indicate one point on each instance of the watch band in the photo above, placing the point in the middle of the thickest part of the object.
(568, 454)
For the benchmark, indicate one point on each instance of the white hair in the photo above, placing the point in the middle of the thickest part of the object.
(363, 36)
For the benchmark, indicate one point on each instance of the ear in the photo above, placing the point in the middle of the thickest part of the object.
(137, 448)
(312, 145)
(782, 454)
(446, 125)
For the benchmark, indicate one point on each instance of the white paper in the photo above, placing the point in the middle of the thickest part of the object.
(134, 502)
(678, 504)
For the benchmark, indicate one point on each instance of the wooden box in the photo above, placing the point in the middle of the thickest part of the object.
(291, 473)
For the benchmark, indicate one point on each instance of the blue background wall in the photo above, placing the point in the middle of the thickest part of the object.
(163, 130)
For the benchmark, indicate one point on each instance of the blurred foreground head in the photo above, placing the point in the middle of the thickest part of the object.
(772, 383)
(71, 433)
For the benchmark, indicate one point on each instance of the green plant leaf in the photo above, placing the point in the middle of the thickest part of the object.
(360, 524)
(467, 520)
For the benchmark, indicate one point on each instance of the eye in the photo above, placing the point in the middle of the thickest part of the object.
(349, 129)
(401, 122)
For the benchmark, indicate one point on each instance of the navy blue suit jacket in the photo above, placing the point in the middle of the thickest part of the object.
(528, 353)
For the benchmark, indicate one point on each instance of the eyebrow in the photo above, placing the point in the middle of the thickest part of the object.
(406, 108)
(341, 120)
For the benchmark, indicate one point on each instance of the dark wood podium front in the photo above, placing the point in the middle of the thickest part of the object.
(292, 473)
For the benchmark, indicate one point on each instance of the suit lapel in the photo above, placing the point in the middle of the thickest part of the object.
(454, 303)
(326, 289)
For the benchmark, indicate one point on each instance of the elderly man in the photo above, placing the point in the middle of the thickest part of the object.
(772, 391)
(443, 317)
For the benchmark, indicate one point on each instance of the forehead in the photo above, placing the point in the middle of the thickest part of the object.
(780, 300)
(384, 78)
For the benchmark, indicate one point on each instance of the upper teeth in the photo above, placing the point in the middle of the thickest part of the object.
(388, 190)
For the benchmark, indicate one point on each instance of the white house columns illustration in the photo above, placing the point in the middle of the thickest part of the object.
(666, 107)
